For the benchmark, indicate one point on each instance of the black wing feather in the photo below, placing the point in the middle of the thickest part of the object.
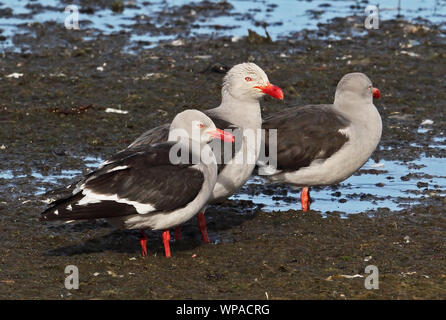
(148, 178)
(305, 134)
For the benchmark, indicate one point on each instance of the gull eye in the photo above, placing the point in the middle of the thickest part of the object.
(248, 79)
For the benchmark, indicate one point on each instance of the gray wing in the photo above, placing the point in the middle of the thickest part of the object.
(305, 134)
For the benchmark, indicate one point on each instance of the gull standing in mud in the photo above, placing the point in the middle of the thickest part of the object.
(150, 186)
(325, 144)
(243, 86)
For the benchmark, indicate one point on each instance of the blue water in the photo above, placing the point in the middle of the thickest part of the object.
(395, 194)
(283, 16)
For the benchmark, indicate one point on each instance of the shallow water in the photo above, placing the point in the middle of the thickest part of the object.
(385, 184)
(392, 184)
(281, 17)
(364, 191)
(377, 185)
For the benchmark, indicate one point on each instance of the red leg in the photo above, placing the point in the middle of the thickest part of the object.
(143, 242)
(166, 239)
(178, 233)
(202, 226)
(305, 199)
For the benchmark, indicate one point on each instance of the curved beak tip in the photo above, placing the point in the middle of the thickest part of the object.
(272, 90)
(376, 93)
(279, 94)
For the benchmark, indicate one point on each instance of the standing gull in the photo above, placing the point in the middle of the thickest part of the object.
(150, 186)
(325, 144)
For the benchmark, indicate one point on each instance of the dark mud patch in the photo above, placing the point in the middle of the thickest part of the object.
(287, 255)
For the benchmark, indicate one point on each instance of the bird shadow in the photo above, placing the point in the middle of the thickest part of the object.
(221, 219)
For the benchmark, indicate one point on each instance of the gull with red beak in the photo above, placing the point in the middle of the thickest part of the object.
(150, 186)
(243, 87)
(325, 144)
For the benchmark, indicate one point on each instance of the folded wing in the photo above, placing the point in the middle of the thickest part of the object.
(138, 180)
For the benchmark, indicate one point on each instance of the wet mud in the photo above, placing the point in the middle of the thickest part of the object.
(54, 127)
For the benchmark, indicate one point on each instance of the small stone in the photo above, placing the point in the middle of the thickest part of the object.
(113, 110)
(117, 6)
(203, 57)
(177, 43)
(422, 184)
(380, 184)
(15, 75)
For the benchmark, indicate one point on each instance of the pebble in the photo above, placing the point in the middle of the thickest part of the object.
(15, 75)
(177, 43)
(112, 110)
(410, 54)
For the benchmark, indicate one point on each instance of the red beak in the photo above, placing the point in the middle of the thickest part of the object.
(271, 90)
(376, 93)
(222, 135)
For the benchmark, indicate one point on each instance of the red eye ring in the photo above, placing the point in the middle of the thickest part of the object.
(248, 79)
(201, 126)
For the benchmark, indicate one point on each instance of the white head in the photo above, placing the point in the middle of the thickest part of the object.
(195, 125)
(356, 88)
(247, 81)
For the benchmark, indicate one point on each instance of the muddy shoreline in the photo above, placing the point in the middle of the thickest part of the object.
(53, 117)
